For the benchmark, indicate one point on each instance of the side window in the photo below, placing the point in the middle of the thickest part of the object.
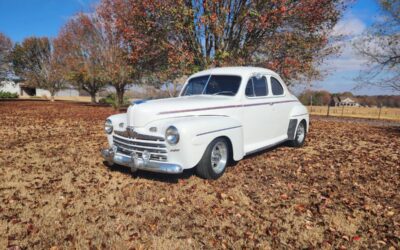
(276, 87)
(257, 87)
(260, 86)
(249, 88)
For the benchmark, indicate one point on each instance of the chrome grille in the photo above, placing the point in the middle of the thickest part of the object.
(154, 145)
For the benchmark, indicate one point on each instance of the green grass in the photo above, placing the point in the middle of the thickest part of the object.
(7, 95)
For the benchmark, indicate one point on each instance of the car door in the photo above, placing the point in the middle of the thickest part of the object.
(280, 107)
(256, 114)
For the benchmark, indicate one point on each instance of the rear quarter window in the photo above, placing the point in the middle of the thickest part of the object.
(276, 87)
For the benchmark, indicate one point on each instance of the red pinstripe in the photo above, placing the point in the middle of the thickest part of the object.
(224, 107)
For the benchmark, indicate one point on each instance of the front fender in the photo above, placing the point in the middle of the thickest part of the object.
(197, 132)
(119, 122)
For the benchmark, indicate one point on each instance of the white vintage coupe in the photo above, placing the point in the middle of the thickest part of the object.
(221, 115)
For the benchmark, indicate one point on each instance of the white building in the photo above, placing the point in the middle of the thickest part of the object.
(10, 86)
(349, 102)
(21, 90)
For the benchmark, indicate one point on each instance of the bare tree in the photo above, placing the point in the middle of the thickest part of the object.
(380, 46)
(94, 55)
(39, 64)
(5, 50)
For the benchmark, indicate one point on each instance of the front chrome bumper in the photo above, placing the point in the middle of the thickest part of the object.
(137, 163)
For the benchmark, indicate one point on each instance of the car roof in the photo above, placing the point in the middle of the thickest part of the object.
(235, 71)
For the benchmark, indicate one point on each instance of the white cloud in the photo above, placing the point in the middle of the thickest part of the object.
(345, 64)
(348, 63)
(344, 68)
(349, 27)
(348, 60)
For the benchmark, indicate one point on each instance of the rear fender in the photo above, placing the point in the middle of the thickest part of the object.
(297, 114)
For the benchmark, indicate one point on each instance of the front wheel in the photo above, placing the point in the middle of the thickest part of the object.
(300, 137)
(215, 159)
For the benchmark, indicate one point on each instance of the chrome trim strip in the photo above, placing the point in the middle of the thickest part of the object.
(267, 103)
(139, 136)
(160, 145)
(225, 107)
(164, 152)
(214, 131)
(133, 145)
(121, 133)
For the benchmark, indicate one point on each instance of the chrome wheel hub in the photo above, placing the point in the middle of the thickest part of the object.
(219, 157)
(301, 132)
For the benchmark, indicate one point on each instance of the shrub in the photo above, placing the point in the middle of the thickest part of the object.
(6, 95)
(111, 99)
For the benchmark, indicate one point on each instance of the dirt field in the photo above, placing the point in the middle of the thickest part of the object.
(339, 191)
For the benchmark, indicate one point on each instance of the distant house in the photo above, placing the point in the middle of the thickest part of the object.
(26, 91)
(343, 101)
(349, 102)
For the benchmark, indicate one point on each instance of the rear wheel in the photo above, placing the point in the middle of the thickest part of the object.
(215, 160)
(300, 136)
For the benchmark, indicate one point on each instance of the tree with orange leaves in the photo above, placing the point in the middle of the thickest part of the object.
(82, 46)
(151, 32)
(173, 37)
(94, 55)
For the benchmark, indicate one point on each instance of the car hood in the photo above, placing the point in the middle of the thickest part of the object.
(143, 112)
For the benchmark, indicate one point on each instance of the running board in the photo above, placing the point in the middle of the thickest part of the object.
(264, 148)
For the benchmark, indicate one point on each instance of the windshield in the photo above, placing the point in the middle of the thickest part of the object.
(213, 85)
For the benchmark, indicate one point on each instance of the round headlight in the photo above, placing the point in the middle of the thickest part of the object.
(172, 135)
(108, 127)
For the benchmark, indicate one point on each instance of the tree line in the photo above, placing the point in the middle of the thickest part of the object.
(324, 98)
(154, 42)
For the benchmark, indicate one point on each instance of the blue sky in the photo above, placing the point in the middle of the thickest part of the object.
(345, 67)
(23, 18)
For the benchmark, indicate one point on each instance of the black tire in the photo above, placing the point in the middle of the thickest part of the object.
(299, 140)
(204, 168)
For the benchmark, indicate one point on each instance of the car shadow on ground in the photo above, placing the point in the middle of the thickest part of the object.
(162, 177)
(393, 130)
(187, 173)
